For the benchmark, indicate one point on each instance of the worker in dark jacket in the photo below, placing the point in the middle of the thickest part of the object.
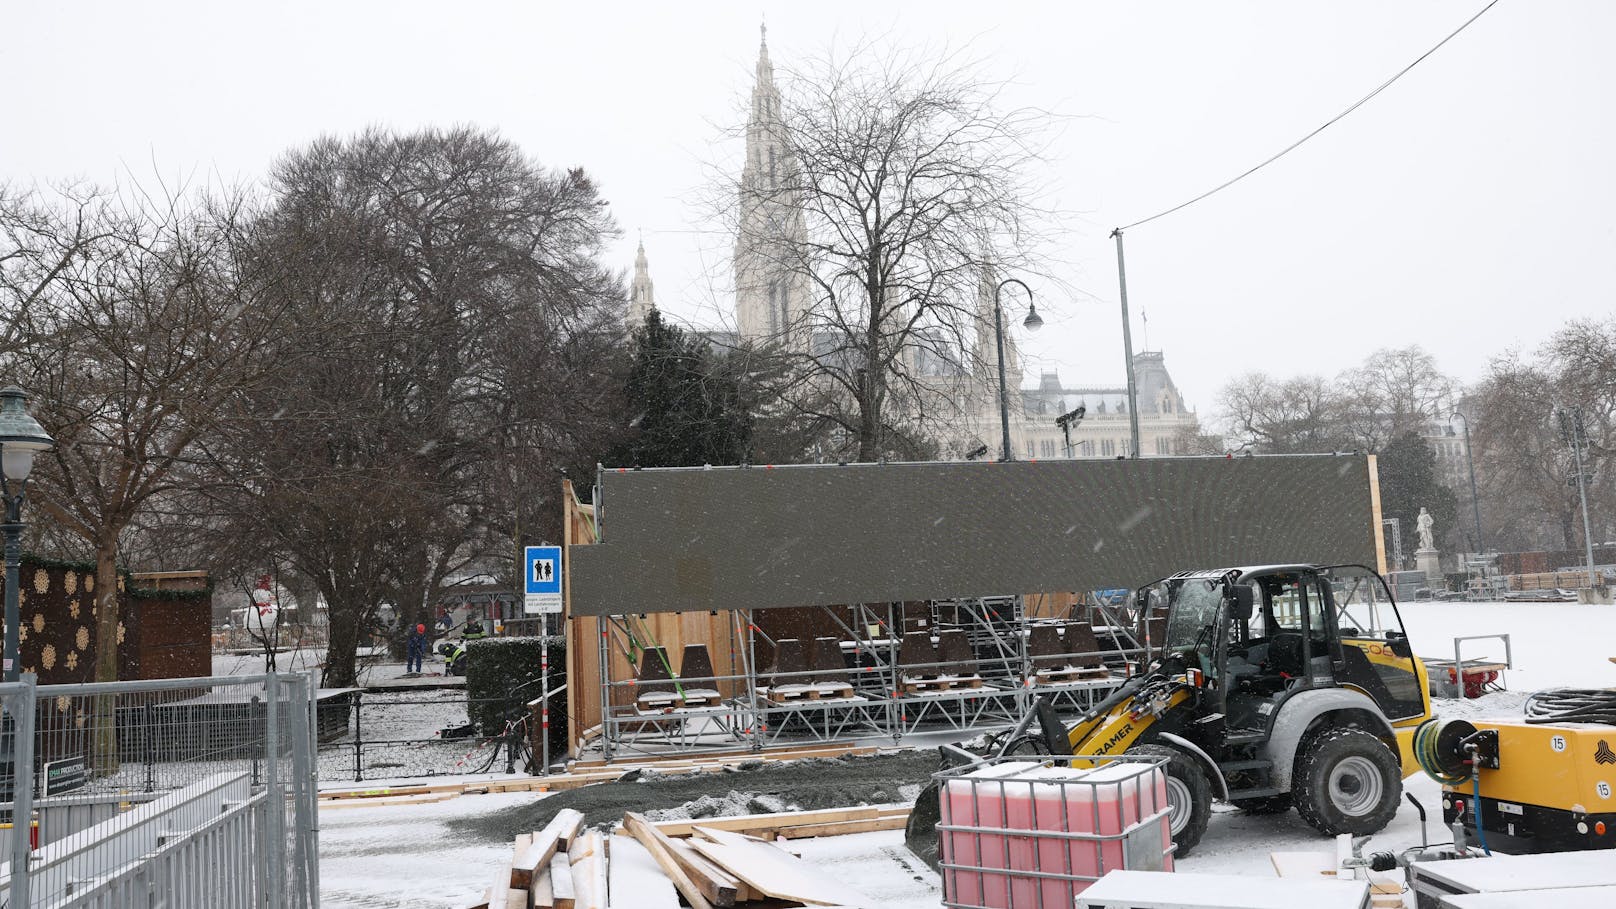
(415, 652)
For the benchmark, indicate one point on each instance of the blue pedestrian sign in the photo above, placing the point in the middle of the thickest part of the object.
(542, 588)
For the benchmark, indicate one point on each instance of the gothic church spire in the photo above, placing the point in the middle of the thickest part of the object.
(771, 294)
(640, 300)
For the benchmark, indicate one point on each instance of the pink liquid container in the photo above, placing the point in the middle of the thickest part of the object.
(1031, 835)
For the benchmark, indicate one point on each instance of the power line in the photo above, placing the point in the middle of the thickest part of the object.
(1331, 122)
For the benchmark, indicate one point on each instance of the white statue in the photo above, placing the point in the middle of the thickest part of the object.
(1423, 524)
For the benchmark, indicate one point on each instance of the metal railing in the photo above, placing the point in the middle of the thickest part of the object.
(434, 733)
(179, 792)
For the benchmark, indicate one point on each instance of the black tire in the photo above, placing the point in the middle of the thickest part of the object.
(1346, 781)
(1027, 746)
(1264, 804)
(1186, 781)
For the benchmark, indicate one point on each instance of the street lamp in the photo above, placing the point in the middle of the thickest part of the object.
(1575, 435)
(21, 438)
(1031, 323)
(1470, 462)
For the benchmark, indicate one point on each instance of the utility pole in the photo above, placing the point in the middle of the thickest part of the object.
(1127, 349)
(1572, 431)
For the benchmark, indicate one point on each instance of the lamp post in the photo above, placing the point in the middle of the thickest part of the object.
(1470, 462)
(1031, 323)
(21, 438)
(1574, 434)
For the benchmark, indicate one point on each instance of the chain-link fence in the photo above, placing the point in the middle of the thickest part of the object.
(176, 793)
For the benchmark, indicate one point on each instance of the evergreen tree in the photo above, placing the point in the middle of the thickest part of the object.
(1409, 482)
(683, 403)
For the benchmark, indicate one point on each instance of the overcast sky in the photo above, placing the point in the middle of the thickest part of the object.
(1469, 208)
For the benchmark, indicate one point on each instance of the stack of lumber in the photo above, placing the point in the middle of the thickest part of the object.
(558, 867)
(1552, 580)
(716, 862)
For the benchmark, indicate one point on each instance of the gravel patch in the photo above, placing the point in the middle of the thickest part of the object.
(754, 788)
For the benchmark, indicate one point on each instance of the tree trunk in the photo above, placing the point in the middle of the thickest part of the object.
(342, 651)
(104, 747)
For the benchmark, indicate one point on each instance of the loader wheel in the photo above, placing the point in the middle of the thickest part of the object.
(1027, 746)
(1189, 795)
(1347, 781)
(1264, 804)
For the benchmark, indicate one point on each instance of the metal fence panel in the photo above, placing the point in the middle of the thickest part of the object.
(175, 793)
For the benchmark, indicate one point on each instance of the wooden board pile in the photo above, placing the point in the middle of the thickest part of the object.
(716, 862)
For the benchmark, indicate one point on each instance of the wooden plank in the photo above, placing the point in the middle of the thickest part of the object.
(540, 896)
(730, 756)
(718, 885)
(561, 882)
(545, 843)
(656, 843)
(782, 820)
(772, 871)
(569, 821)
(425, 798)
(867, 825)
(588, 859)
(634, 871)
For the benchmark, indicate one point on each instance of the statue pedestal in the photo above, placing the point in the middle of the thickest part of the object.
(1430, 562)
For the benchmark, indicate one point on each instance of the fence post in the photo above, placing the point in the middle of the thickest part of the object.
(306, 829)
(272, 781)
(21, 706)
(358, 734)
(146, 736)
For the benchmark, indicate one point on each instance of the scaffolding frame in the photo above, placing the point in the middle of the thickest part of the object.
(882, 706)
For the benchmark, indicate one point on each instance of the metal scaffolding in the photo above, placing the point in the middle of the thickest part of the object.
(875, 695)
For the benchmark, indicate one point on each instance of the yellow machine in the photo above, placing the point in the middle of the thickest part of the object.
(1272, 686)
(1539, 784)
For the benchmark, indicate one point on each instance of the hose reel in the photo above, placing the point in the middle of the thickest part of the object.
(1450, 750)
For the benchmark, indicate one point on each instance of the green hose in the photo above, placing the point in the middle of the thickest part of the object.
(1425, 754)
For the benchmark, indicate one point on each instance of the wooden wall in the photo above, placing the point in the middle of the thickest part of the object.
(723, 633)
(158, 637)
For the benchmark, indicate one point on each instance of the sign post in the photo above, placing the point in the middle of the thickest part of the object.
(542, 597)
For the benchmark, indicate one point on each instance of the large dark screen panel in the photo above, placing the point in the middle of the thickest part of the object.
(731, 538)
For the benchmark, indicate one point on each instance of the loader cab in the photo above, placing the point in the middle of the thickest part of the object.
(1254, 637)
(1316, 627)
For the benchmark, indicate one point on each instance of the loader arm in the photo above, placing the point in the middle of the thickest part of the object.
(1124, 724)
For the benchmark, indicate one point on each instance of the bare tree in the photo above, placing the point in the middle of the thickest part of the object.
(1520, 462)
(133, 344)
(1281, 417)
(1393, 392)
(1526, 470)
(456, 328)
(884, 192)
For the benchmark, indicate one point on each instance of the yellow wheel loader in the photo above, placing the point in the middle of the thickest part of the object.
(1269, 687)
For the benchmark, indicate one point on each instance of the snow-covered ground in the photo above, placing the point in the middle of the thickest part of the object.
(411, 857)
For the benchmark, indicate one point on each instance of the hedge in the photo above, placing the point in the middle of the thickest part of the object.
(497, 669)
